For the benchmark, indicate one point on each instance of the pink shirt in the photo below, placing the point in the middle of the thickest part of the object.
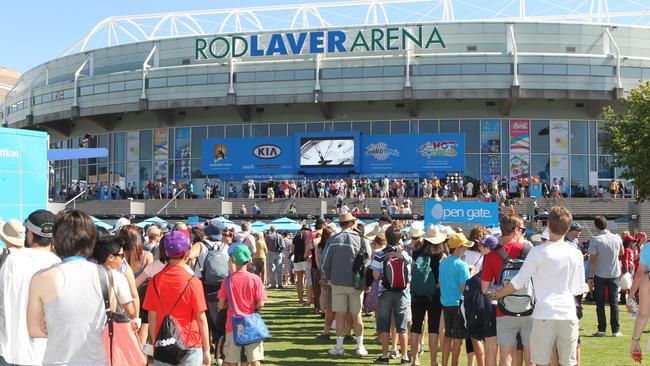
(246, 289)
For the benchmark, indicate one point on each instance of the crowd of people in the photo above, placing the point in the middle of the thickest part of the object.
(180, 295)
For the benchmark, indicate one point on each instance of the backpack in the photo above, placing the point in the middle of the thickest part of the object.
(360, 267)
(521, 302)
(169, 346)
(477, 305)
(396, 272)
(215, 266)
(423, 281)
(3, 256)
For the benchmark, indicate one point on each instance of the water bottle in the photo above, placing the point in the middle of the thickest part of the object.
(635, 308)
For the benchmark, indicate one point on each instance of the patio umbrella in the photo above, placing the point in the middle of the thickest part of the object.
(100, 223)
(151, 221)
(286, 224)
(260, 226)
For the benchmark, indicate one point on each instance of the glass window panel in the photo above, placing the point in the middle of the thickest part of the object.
(85, 90)
(278, 129)
(177, 81)
(284, 75)
(342, 126)
(539, 136)
(540, 166)
(146, 145)
(92, 174)
(646, 73)
(260, 130)
(133, 84)
(47, 97)
(157, 82)
(363, 127)
(449, 125)
(471, 129)
(414, 126)
(531, 69)
(373, 72)
(145, 174)
(38, 99)
(331, 73)
(472, 168)
(602, 70)
(315, 127)
(632, 72)
(418, 70)
(101, 88)
(198, 135)
(579, 175)
(578, 69)
(579, 142)
(295, 128)
(218, 78)
(381, 127)
(215, 132)
(103, 142)
(550, 69)
(243, 77)
(352, 72)
(399, 127)
(505, 137)
(498, 68)
(428, 126)
(196, 172)
(328, 126)
(83, 173)
(264, 76)
(234, 131)
(120, 146)
(247, 130)
(103, 173)
(304, 74)
(197, 79)
(592, 163)
(119, 172)
(602, 135)
(394, 70)
(473, 69)
(448, 69)
(605, 167)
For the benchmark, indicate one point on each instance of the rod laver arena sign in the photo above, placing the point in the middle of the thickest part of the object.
(314, 42)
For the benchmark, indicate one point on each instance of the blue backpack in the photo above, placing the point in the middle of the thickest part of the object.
(423, 281)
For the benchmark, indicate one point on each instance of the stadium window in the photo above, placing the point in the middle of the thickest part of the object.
(260, 130)
(448, 69)
(472, 69)
(196, 171)
(103, 142)
(197, 79)
(363, 127)
(550, 69)
(578, 69)
(37, 99)
(85, 90)
(234, 131)
(101, 88)
(381, 127)
(540, 166)
(471, 129)
(215, 132)
(315, 127)
(498, 69)
(119, 146)
(421, 70)
(602, 70)
(428, 126)
(342, 126)
(304, 74)
(472, 167)
(296, 128)
(146, 144)
(579, 175)
(373, 72)
(177, 81)
(579, 144)
(68, 93)
(47, 97)
(133, 84)
(646, 73)
(218, 78)
(632, 72)
(531, 69)
(605, 167)
(331, 73)
(244, 77)
(283, 75)
(157, 82)
(198, 135)
(449, 126)
(264, 76)
(393, 71)
(351, 72)
(539, 136)
(414, 126)
(278, 129)
(247, 130)
(399, 127)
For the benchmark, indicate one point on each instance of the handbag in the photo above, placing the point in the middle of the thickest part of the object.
(247, 329)
(120, 338)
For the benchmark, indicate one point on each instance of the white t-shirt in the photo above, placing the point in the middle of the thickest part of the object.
(558, 275)
(475, 259)
(247, 238)
(16, 346)
(121, 291)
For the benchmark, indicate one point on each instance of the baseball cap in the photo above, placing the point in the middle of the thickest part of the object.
(386, 218)
(214, 230)
(122, 221)
(320, 222)
(490, 241)
(13, 233)
(458, 240)
(305, 228)
(41, 223)
(176, 244)
(240, 254)
(575, 226)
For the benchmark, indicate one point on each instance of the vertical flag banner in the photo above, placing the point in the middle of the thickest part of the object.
(132, 146)
(560, 169)
(160, 144)
(490, 136)
(490, 167)
(132, 172)
(183, 172)
(519, 167)
(160, 170)
(519, 136)
(182, 141)
(559, 136)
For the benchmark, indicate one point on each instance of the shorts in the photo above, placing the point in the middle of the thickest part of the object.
(509, 326)
(308, 280)
(426, 305)
(253, 352)
(454, 323)
(392, 306)
(194, 357)
(299, 266)
(484, 328)
(561, 333)
(346, 299)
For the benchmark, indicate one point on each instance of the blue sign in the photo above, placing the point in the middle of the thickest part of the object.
(441, 152)
(260, 156)
(486, 213)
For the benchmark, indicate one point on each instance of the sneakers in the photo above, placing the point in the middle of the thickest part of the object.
(617, 334)
(361, 351)
(599, 334)
(393, 353)
(405, 361)
(382, 360)
(336, 351)
(323, 337)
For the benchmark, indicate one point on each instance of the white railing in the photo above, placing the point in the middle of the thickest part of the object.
(172, 200)
(74, 199)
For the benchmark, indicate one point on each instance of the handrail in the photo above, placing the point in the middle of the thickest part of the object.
(170, 201)
(74, 199)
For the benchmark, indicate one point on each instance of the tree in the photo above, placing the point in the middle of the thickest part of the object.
(628, 138)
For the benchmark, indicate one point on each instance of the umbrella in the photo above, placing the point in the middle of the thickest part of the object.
(223, 220)
(151, 221)
(101, 223)
(260, 226)
(286, 224)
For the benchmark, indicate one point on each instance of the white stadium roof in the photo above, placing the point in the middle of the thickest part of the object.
(118, 30)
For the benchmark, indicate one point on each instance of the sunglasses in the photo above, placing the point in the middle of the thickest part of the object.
(121, 255)
(227, 234)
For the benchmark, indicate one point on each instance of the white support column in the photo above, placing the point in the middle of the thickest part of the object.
(512, 49)
(619, 83)
(318, 60)
(231, 89)
(91, 65)
(75, 100)
(407, 82)
(145, 68)
(47, 76)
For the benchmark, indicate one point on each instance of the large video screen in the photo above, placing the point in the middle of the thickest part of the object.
(326, 152)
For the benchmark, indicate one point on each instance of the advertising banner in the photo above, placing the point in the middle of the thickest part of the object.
(160, 144)
(559, 168)
(160, 170)
(182, 143)
(490, 167)
(443, 152)
(560, 137)
(519, 167)
(251, 156)
(519, 136)
(132, 172)
(183, 171)
(490, 136)
(486, 213)
(132, 146)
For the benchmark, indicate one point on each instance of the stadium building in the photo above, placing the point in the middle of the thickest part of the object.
(525, 91)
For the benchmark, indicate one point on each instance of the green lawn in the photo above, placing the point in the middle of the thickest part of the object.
(293, 328)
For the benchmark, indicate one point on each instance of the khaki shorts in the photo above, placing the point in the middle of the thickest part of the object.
(254, 352)
(346, 299)
(509, 326)
(546, 333)
(300, 266)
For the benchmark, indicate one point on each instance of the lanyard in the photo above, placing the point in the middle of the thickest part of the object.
(72, 258)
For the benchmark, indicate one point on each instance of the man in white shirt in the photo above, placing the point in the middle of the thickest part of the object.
(557, 272)
(16, 346)
(246, 237)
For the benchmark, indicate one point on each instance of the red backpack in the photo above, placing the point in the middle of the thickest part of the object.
(396, 276)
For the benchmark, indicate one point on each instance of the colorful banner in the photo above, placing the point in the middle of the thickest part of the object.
(132, 172)
(519, 136)
(490, 136)
(490, 167)
(160, 170)
(519, 167)
(183, 170)
(182, 143)
(560, 169)
(133, 146)
(160, 144)
(486, 213)
(560, 136)
(257, 155)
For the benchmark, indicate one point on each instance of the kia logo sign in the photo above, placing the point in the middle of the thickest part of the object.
(268, 151)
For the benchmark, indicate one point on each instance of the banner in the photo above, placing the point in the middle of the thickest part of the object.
(486, 213)
(132, 146)
(182, 143)
(519, 136)
(183, 170)
(560, 169)
(160, 170)
(490, 167)
(132, 172)
(519, 167)
(490, 136)
(560, 136)
(259, 155)
(160, 144)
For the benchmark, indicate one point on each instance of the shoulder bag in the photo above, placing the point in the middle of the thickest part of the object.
(247, 329)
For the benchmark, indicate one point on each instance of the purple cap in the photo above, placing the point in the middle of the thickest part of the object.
(176, 244)
(490, 241)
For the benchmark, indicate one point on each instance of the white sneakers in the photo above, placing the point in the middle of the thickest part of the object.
(361, 351)
(336, 351)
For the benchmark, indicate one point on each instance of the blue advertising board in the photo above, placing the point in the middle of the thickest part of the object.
(250, 157)
(486, 213)
(441, 152)
(23, 172)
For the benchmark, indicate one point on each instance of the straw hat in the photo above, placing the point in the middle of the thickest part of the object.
(434, 236)
(346, 217)
(372, 231)
(13, 233)
(415, 232)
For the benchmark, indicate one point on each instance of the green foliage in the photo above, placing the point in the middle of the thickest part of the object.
(628, 138)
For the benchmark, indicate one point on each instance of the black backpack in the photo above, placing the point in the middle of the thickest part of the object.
(215, 266)
(169, 346)
(360, 266)
(477, 305)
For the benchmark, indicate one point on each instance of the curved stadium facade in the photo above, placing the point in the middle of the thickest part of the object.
(153, 102)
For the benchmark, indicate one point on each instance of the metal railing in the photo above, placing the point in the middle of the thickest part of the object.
(74, 199)
(172, 200)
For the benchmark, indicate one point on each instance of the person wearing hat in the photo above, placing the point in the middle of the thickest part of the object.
(246, 292)
(175, 291)
(13, 235)
(300, 265)
(16, 346)
(154, 234)
(574, 233)
(336, 265)
(415, 233)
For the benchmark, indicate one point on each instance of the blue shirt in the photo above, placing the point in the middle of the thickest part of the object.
(644, 257)
(454, 272)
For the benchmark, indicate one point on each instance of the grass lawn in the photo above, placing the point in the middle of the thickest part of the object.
(294, 327)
